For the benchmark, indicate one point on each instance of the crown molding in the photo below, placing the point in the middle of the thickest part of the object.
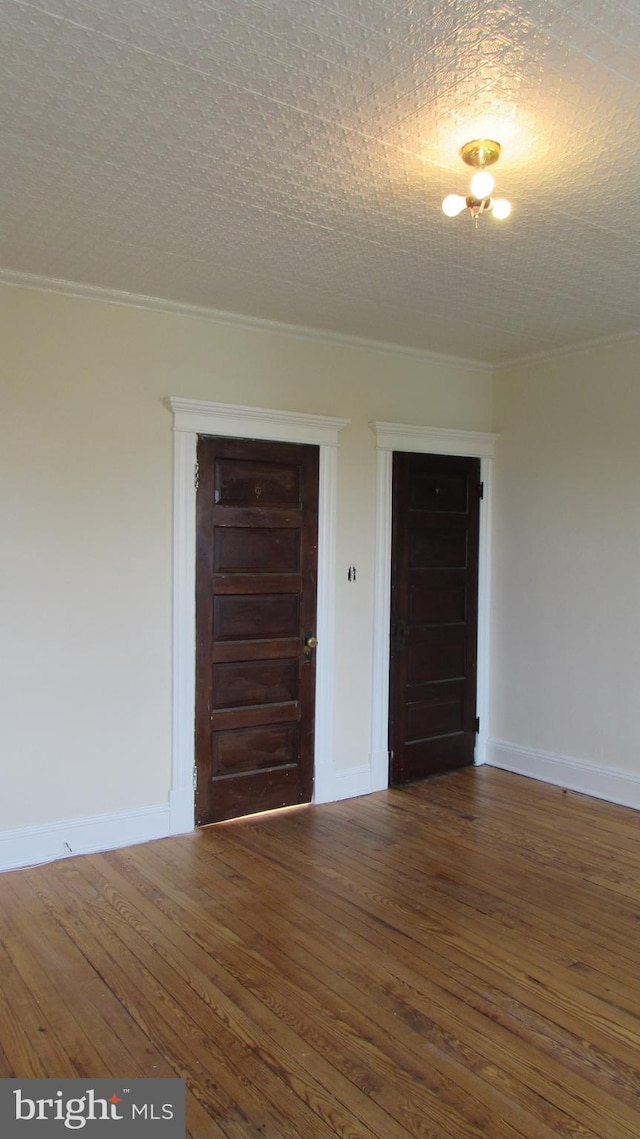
(300, 332)
(253, 323)
(568, 350)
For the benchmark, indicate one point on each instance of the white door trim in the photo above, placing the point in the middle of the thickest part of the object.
(192, 418)
(392, 437)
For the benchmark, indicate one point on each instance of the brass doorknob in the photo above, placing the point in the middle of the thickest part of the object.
(311, 642)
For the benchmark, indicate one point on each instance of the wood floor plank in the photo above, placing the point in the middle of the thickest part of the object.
(237, 1109)
(483, 883)
(421, 1036)
(62, 990)
(28, 1040)
(114, 1030)
(607, 1104)
(579, 844)
(456, 959)
(248, 1058)
(278, 1013)
(474, 929)
(321, 1017)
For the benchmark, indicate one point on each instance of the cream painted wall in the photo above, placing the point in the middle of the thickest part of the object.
(86, 485)
(566, 558)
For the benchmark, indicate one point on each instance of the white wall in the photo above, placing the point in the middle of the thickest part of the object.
(86, 485)
(566, 566)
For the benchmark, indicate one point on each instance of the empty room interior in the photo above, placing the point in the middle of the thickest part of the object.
(320, 751)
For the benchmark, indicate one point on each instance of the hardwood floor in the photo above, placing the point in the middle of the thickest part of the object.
(454, 959)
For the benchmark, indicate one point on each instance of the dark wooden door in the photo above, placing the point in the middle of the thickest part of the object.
(256, 561)
(434, 614)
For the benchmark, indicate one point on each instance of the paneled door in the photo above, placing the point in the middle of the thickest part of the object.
(256, 565)
(434, 614)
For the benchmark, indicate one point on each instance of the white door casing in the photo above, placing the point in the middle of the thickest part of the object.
(198, 417)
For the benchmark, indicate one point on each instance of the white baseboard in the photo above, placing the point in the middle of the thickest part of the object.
(342, 784)
(29, 846)
(182, 810)
(609, 783)
(482, 743)
(379, 770)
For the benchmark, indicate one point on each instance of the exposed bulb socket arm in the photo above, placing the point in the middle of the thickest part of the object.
(477, 207)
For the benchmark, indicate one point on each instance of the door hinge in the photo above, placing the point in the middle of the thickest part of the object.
(477, 724)
(481, 490)
(196, 475)
(195, 778)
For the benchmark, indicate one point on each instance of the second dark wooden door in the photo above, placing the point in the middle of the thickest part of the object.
(434, 614)
(256, 560)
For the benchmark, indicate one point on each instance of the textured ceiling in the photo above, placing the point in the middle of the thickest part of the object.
(286, 160)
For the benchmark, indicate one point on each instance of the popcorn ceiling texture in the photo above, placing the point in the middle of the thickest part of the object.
(286, 159)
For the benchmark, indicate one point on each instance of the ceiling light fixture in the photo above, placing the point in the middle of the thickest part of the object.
(479, 153)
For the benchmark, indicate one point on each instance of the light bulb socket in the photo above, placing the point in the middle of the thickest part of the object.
(478, 203)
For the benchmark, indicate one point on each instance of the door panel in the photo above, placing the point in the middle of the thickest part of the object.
(278, 483)
(255, 548)
(434, 591)
(237, 618)
(256, 563)
(434, 548)
(238, 684)
(442, 602)
(254, 749)
(434, 654)
(434, 712)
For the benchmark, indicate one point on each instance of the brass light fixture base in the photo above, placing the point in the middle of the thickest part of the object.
(481, 152)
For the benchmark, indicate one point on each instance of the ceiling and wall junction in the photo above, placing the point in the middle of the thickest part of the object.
(286, 160)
